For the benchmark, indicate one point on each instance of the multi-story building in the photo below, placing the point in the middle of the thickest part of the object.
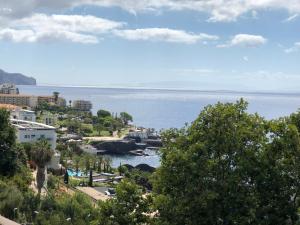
(48, 118)
(82, 105)
(19, 100)
(9, 89)
(52, 100)
(23, 114)
(30, 132)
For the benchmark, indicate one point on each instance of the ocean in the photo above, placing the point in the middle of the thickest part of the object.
(163, 109)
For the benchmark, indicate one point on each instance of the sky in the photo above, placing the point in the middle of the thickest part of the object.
(242, 45)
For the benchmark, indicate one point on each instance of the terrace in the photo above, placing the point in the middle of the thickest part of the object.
(26, 125)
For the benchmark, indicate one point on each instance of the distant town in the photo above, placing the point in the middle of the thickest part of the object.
(77, 138)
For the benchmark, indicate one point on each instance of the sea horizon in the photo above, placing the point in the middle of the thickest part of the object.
(167, 108)
(126, 87)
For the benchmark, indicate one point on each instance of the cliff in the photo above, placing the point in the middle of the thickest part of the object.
(16, 78)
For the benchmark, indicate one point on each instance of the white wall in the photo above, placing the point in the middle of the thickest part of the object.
(33, 135)
(21, 114)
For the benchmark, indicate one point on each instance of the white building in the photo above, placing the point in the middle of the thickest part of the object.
(23, 114)
(30, 132)
(48, 118)
(138, 134)
(9, 89)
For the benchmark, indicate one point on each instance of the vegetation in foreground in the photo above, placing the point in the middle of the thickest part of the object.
(228, 167)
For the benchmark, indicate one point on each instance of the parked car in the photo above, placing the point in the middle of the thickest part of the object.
(110, 192)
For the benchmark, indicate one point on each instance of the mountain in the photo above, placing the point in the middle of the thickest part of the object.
(16, 78)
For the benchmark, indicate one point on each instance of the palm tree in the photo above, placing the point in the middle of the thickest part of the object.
(107, 164)
(76, 164)
(99, 164)
(93, 162)
(41, 154)
(55, 94)
(87, 163)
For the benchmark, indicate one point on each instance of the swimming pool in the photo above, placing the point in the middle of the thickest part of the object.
(73, 173)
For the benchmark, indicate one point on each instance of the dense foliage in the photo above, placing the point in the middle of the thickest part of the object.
(228, 167)
(129, 207)
(8, 153)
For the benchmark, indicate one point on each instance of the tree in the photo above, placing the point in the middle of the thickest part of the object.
(103, 113)
(99, 163)
(66, 177)
(76, 160)
(41, 155)
(10, 200)
(122, 169)
(55, 95)
(91, 178)
(229, 167)
(107, 164)
(87, 163)
(99, 127)
(125, 117)
(128, 208)
(8, 159)
(279, 180)
(73, 126)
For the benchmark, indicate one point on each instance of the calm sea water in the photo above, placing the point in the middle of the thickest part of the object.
(161, 109)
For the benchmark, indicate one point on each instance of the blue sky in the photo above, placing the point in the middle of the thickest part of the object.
(188, 44)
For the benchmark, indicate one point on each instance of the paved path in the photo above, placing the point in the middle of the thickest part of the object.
(5, 221)
(103, 138)
(96, 195)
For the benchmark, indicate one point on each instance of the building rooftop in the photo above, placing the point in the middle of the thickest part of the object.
(22, 124)
(16, 95)
(8, 106)
(26, 110)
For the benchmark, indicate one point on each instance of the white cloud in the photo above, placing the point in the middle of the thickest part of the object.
(291, 18)
(74, 23)
(219, 10)
(35, 36)
(74, 28)
(295, 48)
(88, 30)
(164, 34)
(245, 40)
(17, 35)
(245, 58)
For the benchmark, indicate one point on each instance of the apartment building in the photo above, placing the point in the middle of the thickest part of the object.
(23, 114)
(9, 89)
(82, 105)
(52, 100)
(30, 132)
(19, 100)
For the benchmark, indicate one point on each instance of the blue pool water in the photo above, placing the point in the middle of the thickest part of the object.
(73, 173)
